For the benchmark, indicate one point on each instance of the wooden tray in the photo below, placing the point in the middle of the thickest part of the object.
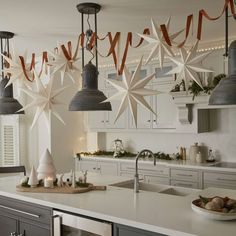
(56, 189)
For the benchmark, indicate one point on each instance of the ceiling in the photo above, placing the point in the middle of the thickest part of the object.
(40, 24)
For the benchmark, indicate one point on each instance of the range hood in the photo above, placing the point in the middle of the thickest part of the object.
(225, 92)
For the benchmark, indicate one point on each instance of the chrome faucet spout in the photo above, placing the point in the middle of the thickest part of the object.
(136, 176)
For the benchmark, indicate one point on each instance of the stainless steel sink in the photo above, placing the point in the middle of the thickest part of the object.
(158, 188)
(142, 186)
(178, 191)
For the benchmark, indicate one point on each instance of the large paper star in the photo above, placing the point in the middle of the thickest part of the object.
(160, 47)
(61, 64)
(131, 92)
(44, 99)
(17, 72)
(188, 65)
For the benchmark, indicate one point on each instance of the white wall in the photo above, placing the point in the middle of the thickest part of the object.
(222, 139)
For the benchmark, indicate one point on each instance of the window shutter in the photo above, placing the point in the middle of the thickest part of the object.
(9, 146)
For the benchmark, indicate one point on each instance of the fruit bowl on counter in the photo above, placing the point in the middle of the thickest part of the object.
(216, 208)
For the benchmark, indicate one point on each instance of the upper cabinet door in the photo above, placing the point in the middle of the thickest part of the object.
(110, 116)
(163, 104)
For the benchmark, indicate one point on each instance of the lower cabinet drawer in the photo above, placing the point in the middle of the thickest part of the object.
(220, 178)
(184, 184)
(143, 168)
(156, 180)
(188, 175)
(26, 210)
(218, 185)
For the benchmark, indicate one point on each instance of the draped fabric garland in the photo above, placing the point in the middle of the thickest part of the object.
(114, 42)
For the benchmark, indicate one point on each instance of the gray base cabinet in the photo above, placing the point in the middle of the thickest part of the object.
(121, 230)
(8, 224)
(23, 218)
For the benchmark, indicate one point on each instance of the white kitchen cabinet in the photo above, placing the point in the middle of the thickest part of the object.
(225, 179)
(89, 165)
(102, 120)
(151, 179)
(185, 184)
(102, 167)
(107, 168)
(162, 174)
(187, 178)
(164, 107)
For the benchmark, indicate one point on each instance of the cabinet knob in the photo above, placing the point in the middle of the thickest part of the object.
(154, 120)
(98, 168)
(94, 168)
(148, 120)
(102, 121)
(107, 121)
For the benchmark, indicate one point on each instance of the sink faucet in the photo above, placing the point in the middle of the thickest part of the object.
(136, 176)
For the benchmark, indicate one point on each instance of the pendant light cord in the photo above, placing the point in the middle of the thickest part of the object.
(88, 36)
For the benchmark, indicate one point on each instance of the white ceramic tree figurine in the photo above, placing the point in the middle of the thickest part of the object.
(46, 167)
(33, 180)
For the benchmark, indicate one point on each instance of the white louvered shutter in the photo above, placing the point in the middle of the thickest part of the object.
(9, 140)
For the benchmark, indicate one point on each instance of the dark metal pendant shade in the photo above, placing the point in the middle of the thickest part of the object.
(225, 91)
(89, 98)
(8, 104)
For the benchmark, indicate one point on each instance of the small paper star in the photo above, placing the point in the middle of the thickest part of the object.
(61, 64)
(160, 47)
(16, 71)
(131, 92)
(188, 65)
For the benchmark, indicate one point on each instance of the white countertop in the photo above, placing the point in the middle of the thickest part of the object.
(170, 163)
(156, 212)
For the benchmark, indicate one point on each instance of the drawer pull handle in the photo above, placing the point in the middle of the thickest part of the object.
(186, 175)
(19, 211)
(220, 179)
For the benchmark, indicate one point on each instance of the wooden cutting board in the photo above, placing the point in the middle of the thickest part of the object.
(64, 189)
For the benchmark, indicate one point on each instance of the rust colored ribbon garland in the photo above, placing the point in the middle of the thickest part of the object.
(114, 41)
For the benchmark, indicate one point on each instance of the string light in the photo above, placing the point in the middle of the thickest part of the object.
(219, 47)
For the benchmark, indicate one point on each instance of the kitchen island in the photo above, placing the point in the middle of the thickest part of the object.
(155, 212)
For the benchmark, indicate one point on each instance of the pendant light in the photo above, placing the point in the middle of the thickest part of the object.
(89, 98)
(8, 104)
(225, 92)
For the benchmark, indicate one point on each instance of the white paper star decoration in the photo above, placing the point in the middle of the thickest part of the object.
(61, 64)
(44, 99)
(17, 72)
(188, 65)
(157, 41)
(131, 92)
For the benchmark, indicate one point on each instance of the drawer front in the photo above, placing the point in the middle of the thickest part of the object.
(184, 184)
(25, 210)
(188, 175)
(221, 178)
(156, 180)
(218, 185)
(146, 168)
(90, 166)
(130, 174)
(108, 168)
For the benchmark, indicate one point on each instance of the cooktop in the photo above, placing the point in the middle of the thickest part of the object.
(225, 164)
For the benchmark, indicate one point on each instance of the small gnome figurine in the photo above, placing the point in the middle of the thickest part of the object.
(33, 180)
